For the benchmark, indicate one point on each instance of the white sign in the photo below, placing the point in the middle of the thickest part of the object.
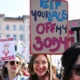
(22, 51)
(49, 20)
(7, 49)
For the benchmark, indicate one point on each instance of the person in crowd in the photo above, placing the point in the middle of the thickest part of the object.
(54, 69)
(11, 70)
(59, 75)
(24, 69)
(71, 62)
(61, 72)
(39, 68)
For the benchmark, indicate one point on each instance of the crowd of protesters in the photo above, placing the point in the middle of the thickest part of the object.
(39, 67)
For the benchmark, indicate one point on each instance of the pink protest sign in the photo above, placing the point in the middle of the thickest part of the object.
(7, 49)
(74, 23)
(72, 37)
(74, 26)
(48, 26)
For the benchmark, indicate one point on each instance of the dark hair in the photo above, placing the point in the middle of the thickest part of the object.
(4, 70)
(30, 67)
(69, 58)
(1, 78)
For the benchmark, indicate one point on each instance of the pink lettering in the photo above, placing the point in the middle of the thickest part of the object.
(64, 42)
(47, 27)
(39, 43)
(53, 44)
(7, 58)
(47, 42)
(55, 41)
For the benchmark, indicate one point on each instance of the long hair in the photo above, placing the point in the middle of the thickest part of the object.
(5, 70)
(34, 76)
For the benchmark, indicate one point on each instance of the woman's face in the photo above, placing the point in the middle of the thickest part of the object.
(25, 67)
(76, 70)
(40, 65)
(13, 66)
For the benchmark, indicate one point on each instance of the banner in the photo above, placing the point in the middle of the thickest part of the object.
(48, 26)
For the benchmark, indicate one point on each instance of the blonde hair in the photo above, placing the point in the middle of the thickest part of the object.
(54, 69)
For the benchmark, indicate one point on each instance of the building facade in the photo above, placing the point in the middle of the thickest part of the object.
(16, 28)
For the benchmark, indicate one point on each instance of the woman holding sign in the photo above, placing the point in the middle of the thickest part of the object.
(39, 68)
(71, 63)
(11, 70)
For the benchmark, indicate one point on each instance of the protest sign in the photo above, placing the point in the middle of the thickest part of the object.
(74, 23)
(72, 37)
(7, 49)
(75, 30)
(22, 51)
(48, 26)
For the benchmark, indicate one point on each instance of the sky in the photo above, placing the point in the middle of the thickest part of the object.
(73, 9)
(15, 8)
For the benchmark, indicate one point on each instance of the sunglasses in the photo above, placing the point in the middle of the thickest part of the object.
(76, 69)
(14, 62)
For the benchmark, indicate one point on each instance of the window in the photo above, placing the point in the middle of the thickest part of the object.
(14, 27)
(21, 37)
(15, 37)
(21, 27)
(7, 35)
(7, 27)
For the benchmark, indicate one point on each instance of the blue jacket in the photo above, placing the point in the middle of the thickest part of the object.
(22, 78)
(19, 78)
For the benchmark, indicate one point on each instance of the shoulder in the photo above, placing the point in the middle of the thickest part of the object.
(23, 78)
